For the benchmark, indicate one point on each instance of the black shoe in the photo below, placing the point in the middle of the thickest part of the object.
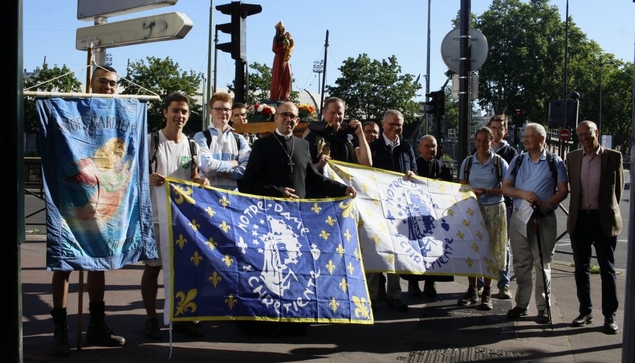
(413, 289)
(99, 334)
(429, 290)
(610, 327)
(60, 335)
(543, 317)
(382, 295)
(152, 329)
(60, 343)
(397, 304)
(582, 319)
(516, 313)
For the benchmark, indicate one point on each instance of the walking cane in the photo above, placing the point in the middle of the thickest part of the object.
(542, 265)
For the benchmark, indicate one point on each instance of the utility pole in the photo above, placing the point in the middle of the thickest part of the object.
(465, 65)
(427, 130)
(326, 46)
(211, 59)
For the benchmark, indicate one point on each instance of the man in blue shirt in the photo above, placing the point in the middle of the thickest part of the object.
(535, 183)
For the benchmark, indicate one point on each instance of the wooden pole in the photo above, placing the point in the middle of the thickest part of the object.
(80, 288)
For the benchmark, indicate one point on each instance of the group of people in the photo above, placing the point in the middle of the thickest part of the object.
(536, 182)
(283, 165)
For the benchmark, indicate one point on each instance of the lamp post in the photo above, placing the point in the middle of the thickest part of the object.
(318, 67)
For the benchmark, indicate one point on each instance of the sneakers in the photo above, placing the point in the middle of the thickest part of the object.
(505, 293)
(470, 297)
(486, 300)
(413, 289)
(151, 328)
(190, 328)
(516, 313)
(397, 304)
(543, 317)
(99, 334)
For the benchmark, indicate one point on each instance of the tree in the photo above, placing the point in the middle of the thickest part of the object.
(162, 77)
(525, 66)
(370, 87)
(46, 79)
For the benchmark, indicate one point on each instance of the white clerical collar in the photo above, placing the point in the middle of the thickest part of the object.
(286, 137)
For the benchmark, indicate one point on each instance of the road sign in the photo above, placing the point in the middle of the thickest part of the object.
(451, 49)
(565, 135)
(90, 9)
(135, 31)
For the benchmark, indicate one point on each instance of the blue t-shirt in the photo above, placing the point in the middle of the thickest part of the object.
(536, 176)
(484, 176)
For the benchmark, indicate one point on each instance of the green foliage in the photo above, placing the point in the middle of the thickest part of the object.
(370, 87)
(525, 67)
(162, 77)
(46, 79)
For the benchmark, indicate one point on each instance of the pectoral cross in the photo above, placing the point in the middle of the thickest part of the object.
(290, 164)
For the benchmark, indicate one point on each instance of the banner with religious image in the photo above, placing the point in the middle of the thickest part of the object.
(95, 175)
(244, 257)
(417, 225)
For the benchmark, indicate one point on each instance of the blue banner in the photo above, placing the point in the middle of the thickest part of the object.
(245, 257)
(95, 172)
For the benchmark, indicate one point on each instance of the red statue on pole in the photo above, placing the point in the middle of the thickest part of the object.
(281, 71)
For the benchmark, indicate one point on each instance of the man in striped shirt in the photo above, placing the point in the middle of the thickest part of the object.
(224, 154)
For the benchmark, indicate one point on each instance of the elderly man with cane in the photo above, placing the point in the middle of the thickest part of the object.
(535, 179)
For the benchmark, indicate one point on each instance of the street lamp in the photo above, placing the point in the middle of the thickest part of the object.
(318, 67)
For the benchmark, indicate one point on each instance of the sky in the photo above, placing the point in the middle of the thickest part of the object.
(378, 28)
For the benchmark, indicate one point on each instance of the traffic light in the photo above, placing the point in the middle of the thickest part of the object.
(518, 117)
(436, 105)
(237, 46)
(237, 28)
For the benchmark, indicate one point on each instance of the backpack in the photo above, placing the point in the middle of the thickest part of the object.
(497, 165)
(550, 160)
(154, 144)
(208, 137)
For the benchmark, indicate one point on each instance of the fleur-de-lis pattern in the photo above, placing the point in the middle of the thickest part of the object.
(181, 241)
(330, 267)
(215, 279)
(196, 258)
(182, 194)
(316, 208)
(185, 302)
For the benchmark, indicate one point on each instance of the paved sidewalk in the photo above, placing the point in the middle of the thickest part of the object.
(431, 331)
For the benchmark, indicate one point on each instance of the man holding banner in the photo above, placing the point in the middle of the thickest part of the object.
(90, 161)
(391, 152)
(171, 154)
(280, 166)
